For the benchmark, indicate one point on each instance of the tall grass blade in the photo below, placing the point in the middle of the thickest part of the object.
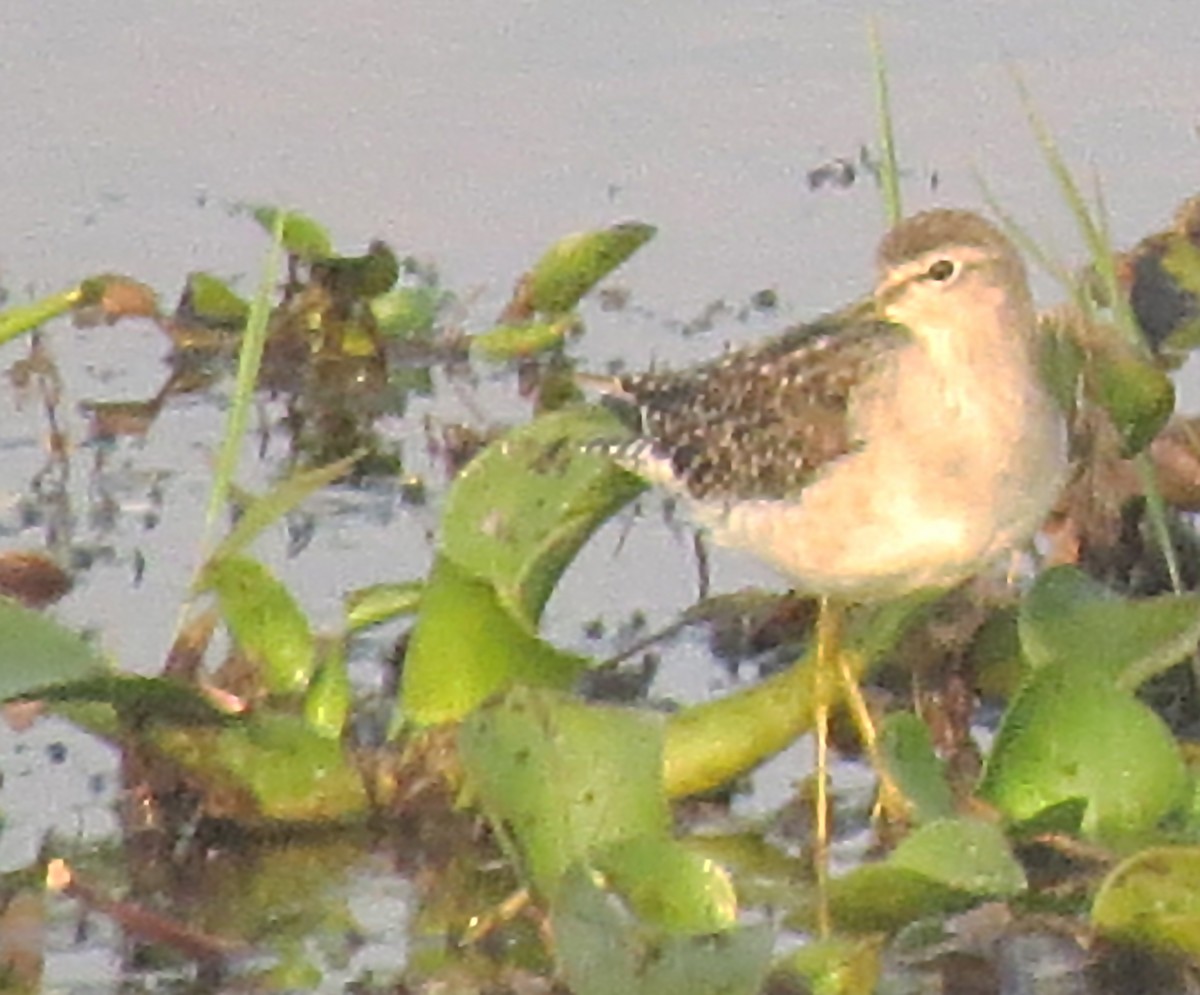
(1093, 227)
(249, 361)
(889, 171)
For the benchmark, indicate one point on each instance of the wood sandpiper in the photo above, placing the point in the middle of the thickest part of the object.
(903, 443)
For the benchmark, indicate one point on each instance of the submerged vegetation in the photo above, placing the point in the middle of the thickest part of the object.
(543, 827)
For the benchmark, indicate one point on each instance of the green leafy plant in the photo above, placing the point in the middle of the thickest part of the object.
(570, 803)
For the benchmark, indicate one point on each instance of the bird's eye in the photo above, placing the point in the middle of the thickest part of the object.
(942, 271)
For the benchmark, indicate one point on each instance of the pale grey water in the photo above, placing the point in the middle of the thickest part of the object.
(476, 133)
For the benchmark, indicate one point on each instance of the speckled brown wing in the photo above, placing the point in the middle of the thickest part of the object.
(760, 422)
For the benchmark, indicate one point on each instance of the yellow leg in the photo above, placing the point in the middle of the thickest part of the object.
(827, 655)
(833, 669)
(891, 804)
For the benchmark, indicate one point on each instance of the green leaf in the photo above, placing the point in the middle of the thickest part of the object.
(1071, 735)
(407, 312)
(841, 965)
(574, 265)
(764, 875)
(467, 646)
(945, 866)
(969, 855)
(380, 603)
(603, 950)
(914, 764)
(267, 766)
(1061, 359)
(1138, 396)
(302, 236)
(880, 898)
(1069, 620)
(565, 779)
(214, 303)
(520, 511)
(996, 659)
(1153, 900)
(508, 342)
(353, 278)
(285, 496)
(668, 885)
(137, 700)
(263, 765)
(36, 651)
(265, 621)
(329, 696)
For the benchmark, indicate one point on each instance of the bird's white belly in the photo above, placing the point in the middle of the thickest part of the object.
(898, 547)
